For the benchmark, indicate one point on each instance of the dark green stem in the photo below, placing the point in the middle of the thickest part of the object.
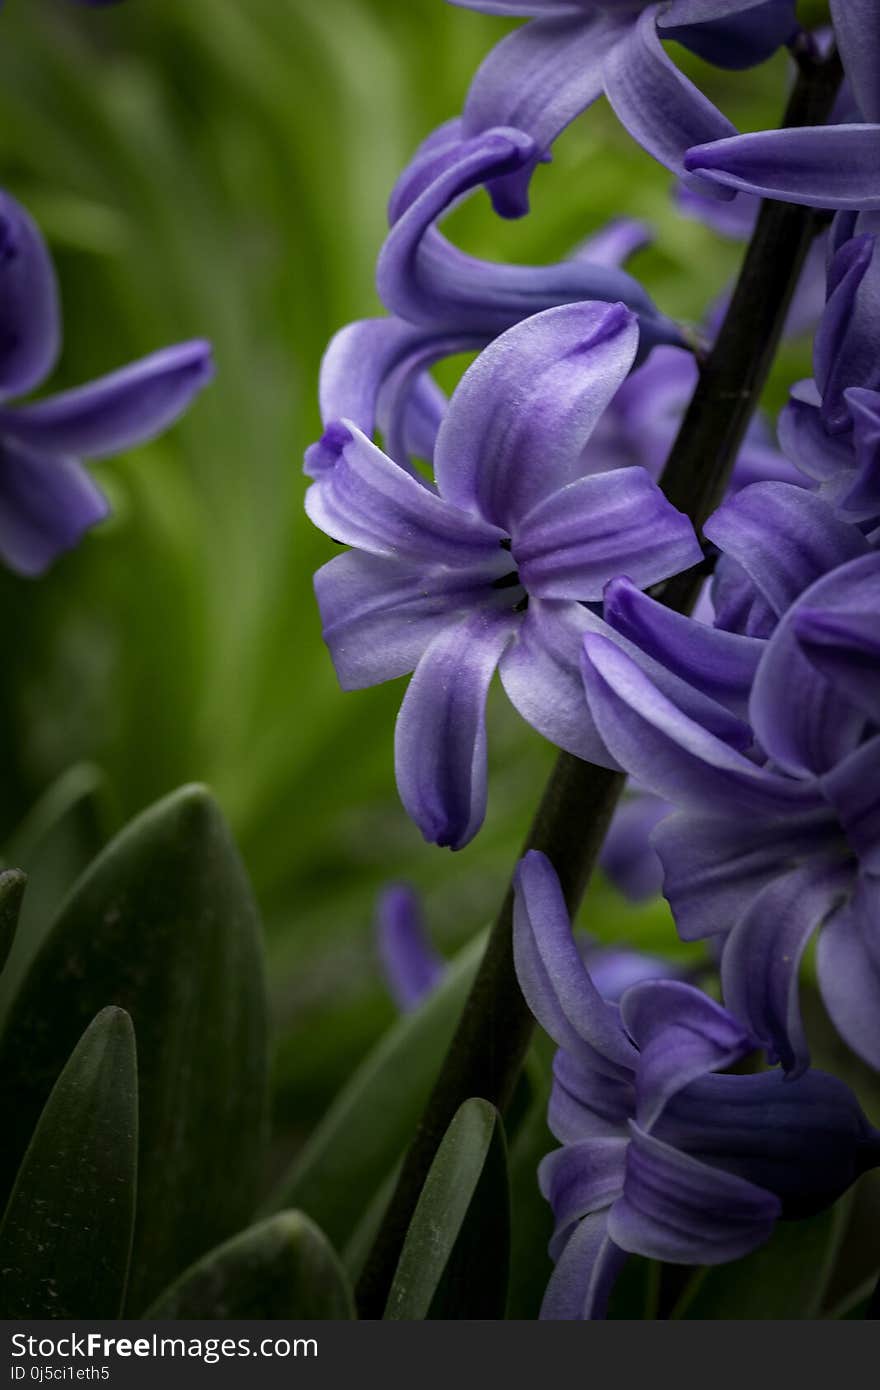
(493, 1034)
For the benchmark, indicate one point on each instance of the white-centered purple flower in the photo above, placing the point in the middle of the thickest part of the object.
(661, 1156)
(47, 499)
(375, 372)
(831, 166)
(543, 75)
(769, 842)
(492, 567)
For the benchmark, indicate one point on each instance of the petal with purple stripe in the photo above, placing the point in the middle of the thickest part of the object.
(440, 735)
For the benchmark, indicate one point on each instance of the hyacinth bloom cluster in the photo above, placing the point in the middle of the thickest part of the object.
(571, 52)
(491, 568)
(661, 1155)
(775, 836)
(47, 498)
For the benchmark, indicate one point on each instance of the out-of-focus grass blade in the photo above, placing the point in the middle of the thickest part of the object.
(12, 885)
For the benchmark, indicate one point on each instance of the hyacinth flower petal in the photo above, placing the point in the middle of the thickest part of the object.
(551, 970)
(845, 347)
(845, 648)
(863, 497)
(763, 953)
(733, 35)
(378, 615)
(440, 735)
(569, 542)
(626, 857)
(803, 437)
(46, 505)
(585, 1273)
(370, 502)
(715, 867)
(521, 415)
(116, 412)
(857, 31)
(30, 326)
(721, 664)
(411, 965)
(426, 280)
(616, 242)
(848, 964)
(538, 79)
(803, 720)
(678, 1209)
(851, 788)
(658, 105)
(817, 166)
(671, 754)
(784, 538)
(579, 1179)
(522, 9)
(681, 1035)
(540, 673)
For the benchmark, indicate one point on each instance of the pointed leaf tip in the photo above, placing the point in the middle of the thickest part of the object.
(66, 1237)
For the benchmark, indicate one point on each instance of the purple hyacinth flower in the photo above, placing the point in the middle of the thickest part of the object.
(661, 1156)
(767, 844)
(490, 568)
(543, 75)
(831, 427)
(376, 371)
(410, 964)
(627, 857)
(47, 499)
(831, 166)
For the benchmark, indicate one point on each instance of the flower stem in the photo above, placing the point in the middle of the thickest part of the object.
(495, 1028)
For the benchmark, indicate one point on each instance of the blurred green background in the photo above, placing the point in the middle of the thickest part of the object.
(220, 168)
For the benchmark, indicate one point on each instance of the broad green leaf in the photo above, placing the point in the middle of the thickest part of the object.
(12, 886)
(367, 1127)
(785, 1279)
(163, 925)
(283, 1267)
(454, 1261)
(55, 842)
(65, 1240)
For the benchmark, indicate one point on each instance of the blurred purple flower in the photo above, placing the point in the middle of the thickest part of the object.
(47, 499)
(831, 166)
(490, 569)
(411, 966)
(661, 1156)
(543, 75)
(770, 842)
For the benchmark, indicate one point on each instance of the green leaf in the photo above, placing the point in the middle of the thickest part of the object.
(66, 1237)
(785, 1279)
(283, 1267)
(163, 925)
(349, 1156)
(454, 1261)
(56, 841)
(12, 886)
